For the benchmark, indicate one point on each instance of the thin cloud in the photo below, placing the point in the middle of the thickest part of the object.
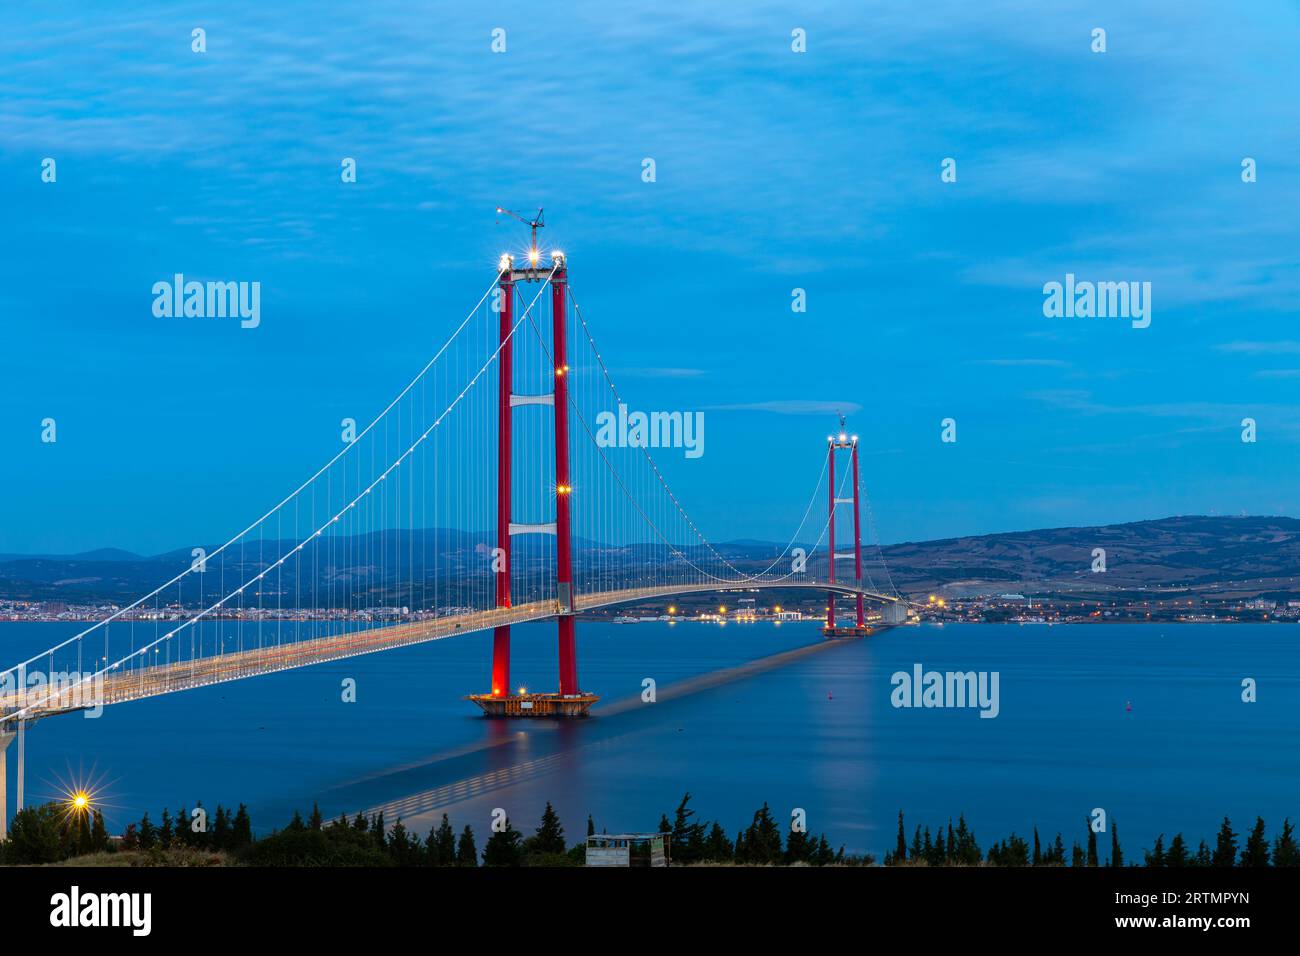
(661, 372)
(793, 407)
(1023, 363)
(1284, 347)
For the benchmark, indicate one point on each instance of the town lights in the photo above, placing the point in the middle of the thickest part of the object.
(557, 257)
(533, 256)
(503, 264)
(523, 690)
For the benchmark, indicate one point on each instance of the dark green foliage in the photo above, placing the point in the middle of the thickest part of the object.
(1013, 851)
(49, 834)
(241, 830)
(1157, 855)
(37, 835)
(1285, 852)
(1225, 850)
(466, 852)
(504, 847)
(717, 848)
(762, 839)
(550, 834)
(441, 846)
(1256, 849)
(1177, 855)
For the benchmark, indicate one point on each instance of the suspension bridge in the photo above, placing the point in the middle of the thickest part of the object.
(497, 444)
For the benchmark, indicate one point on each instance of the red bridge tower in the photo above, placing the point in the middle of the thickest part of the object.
(833, 444)
(570, 701)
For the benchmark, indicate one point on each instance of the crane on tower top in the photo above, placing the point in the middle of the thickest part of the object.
(537, 222)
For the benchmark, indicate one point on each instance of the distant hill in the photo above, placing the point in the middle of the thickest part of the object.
(1202, 554)
(1241, 556)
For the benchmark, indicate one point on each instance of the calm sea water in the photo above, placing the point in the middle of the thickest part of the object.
(816, 732)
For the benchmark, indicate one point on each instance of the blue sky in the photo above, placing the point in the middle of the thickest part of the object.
(775, 170)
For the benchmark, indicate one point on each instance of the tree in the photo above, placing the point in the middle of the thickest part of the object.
(968, 850)
(442, 844)
(1058, 851)
(1256, 850)
(148, 834)
(99, 834)
(824, 856)
(1038, 854)
(241, 831)
(1285, 852)
(763, 838)
(80, 844)
(1116, 855)
(717, 848)
(1013, 851)
(1177, 855)
(401, 848)
(504, 847)
(591, 826)
(799, 848)
(900, 845)
(1225, 850)
(1202, 855)
(35, 836)
(466, 852)
(917, 850)
(550, 834)
(222, 833)
(1156, 857)
(315, 821)
(1092, 846)
(685, 842)
(166, 835)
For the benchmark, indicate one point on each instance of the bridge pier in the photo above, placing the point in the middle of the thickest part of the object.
(6, 737)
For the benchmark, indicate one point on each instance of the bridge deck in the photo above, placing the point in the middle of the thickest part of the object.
(166, 678)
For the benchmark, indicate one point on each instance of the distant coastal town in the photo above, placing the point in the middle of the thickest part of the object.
(748, 607)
